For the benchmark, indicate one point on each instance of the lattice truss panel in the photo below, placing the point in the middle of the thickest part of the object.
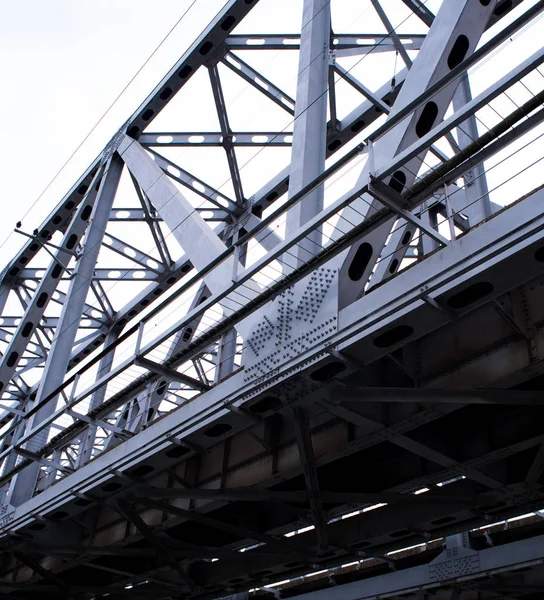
(258, 191)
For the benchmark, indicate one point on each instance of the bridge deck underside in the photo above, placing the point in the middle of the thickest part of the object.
(479, 462)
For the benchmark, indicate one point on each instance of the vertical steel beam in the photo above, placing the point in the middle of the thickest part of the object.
(305, 448)
(61, 348)
(226, 355)
(478, 205)
(126, 510)
(104, 367)
(310, 127)
(227, 134)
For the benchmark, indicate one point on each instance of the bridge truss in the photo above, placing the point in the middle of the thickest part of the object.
(286, 331)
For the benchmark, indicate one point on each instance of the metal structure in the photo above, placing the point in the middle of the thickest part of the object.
(235, 361)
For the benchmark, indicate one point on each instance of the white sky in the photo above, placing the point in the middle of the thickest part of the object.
(62, 64)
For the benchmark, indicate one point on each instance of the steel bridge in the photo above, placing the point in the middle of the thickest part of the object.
(285, 336)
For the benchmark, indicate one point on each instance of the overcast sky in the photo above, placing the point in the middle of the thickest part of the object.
(62, 64)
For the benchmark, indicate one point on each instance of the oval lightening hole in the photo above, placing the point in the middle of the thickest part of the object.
(228, 23)
(177, 452)
(165, 94)
(13, 358)
(27, 329)
(217, 430)
(426, 119)
(142, 470)
(357, 126)
(393, 336)
(148, 114)
(42, 299)
(458, 51)
(471, 294)
(72, 240)
(58, 515)
(397, 181)
(360, 261)
(394, 264)
(185, 72)
(205, 48)
(265, 404)
(86, 212)
(111, 487)
(328, 371)
(82, 502)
